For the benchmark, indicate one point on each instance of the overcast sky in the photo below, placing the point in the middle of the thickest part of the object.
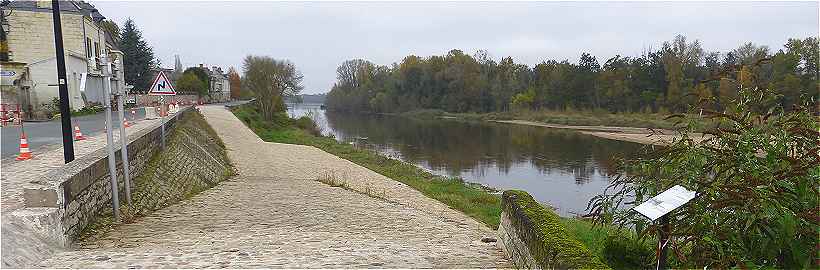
(318, 36)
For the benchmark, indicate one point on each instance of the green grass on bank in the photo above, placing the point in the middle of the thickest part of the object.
(476, 201)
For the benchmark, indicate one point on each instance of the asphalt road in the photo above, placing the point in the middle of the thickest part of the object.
(47, 133)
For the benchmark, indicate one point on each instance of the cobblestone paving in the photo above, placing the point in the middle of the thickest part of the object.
(16, 174)
(275, 214)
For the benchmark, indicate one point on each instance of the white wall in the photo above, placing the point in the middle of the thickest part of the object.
(44, 73)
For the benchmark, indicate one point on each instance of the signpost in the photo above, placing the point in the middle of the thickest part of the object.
(658, 207)
(162, 87)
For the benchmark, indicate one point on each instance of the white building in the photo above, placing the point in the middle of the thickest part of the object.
(30, 70)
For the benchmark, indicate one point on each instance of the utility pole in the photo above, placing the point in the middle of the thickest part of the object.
(65, 110)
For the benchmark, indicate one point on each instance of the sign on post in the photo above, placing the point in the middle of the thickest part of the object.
(665, 202)
(161, 86)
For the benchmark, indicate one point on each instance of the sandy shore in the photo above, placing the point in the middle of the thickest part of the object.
(629, 134)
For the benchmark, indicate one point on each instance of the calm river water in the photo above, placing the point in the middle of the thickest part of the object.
(560, 168)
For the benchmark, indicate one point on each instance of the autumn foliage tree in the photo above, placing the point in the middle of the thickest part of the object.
(236, 83)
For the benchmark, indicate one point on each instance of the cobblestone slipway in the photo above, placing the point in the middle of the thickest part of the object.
(275, 214)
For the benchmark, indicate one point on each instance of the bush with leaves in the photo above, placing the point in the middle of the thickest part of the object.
(756, 174)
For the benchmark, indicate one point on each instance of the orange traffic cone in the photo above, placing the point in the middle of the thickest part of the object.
(78, 135)
(125, 123)
(25, 153)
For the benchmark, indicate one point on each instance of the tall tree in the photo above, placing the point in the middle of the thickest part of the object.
(138, 60)
(236, 83)
(189, 83)
(271, 80)
(112, 28)
(202, 74)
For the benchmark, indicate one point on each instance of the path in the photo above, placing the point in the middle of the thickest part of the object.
(275, 214)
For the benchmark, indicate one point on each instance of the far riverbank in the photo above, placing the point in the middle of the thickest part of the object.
(629, 134)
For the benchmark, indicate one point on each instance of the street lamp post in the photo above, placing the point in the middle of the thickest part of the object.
(65, 110)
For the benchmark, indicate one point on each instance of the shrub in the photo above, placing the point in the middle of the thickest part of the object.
(307, 124)
(624, 252)
(756, 178)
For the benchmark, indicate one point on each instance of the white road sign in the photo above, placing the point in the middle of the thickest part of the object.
(161, 86)
(665, 202)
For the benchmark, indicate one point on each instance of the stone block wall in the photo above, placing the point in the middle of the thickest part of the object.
(32, 35)
(80, 191)
(194, 160)
(533, 237)
(515, 248)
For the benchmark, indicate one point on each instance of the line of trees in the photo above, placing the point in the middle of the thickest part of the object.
(665, 80)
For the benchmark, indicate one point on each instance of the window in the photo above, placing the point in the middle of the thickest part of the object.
(96, 49)
(88, 47)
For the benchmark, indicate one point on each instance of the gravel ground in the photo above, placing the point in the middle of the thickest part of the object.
(275, 213)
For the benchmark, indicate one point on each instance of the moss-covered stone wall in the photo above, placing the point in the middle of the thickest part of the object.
(533, 237)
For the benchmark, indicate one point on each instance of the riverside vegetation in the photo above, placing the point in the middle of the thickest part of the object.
(630, 91)
(756, 179)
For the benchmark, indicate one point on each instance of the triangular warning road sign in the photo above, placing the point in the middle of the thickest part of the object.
(161, 86)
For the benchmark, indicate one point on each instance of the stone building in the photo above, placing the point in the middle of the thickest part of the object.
(220, 87)
(29, 58)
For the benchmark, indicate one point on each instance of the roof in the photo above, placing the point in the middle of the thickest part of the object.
(110, 40)
(78, 7)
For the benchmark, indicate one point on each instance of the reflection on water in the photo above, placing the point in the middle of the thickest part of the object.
(561, 168)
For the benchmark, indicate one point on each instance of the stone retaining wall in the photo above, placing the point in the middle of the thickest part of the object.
(79, 193)
(533, 237)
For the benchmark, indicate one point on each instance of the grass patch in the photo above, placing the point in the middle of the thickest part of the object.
(584, 231)
(88, 110)
(334, 180)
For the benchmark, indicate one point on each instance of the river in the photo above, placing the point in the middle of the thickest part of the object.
(560, 168)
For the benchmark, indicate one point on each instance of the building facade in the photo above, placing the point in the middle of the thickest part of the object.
(220, 87)
(30, 77)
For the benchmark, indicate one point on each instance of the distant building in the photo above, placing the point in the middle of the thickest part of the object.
(29, 74)
(220, 86)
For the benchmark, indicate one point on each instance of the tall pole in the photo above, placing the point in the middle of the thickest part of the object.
(65, 110)
(126, 170)
(663, 241)
(112, 163)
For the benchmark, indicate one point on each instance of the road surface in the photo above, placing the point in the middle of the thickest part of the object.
(46, 133)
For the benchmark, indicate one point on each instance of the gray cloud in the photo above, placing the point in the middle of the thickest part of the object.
(317, 36)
